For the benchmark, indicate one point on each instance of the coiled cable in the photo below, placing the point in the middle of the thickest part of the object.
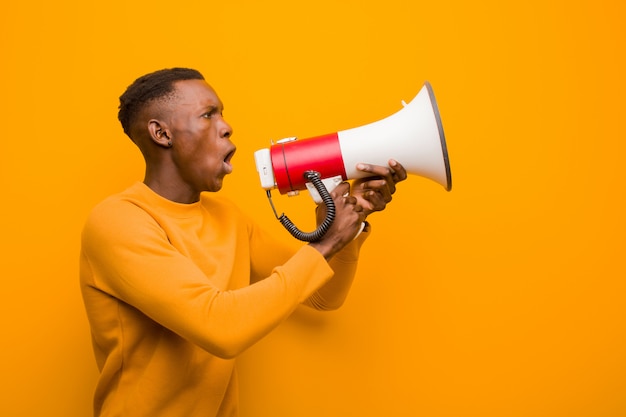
(317, 234)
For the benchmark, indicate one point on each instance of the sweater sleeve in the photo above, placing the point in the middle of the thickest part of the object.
(344, 264)
(130, 258)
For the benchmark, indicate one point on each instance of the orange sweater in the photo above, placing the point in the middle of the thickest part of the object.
(173, 292)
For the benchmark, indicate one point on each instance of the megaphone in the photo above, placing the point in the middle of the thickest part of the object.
(413, 136)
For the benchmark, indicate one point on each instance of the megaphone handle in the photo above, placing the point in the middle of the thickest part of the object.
(317, 234)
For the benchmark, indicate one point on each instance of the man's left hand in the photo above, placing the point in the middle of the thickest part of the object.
(374, 192)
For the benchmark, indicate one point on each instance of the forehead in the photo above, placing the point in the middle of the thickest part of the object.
(195, 94)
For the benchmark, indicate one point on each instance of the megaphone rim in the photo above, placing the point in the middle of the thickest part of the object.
(442, 136)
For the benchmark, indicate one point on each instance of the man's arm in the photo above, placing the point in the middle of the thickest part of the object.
(344, 264)
(373, 194)
(128, 256)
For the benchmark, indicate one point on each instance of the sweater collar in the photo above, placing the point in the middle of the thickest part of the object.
(171, 208)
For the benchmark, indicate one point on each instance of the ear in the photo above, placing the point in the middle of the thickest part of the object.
(159, 133)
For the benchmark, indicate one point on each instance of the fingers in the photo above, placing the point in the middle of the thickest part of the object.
(379, 188)
(352, 201)
(376, 188)
(348, 200)
(393, 174)
(341, 195)
(376, 170)
(378, 200)
(341, 190)
(349, 213)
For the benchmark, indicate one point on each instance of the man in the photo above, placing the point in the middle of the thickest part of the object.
(177, 281)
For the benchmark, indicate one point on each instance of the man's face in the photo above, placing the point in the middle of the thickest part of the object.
(201, 149)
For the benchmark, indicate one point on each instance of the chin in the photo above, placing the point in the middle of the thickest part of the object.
(215, 187)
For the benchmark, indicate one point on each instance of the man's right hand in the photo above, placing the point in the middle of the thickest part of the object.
(348, 219)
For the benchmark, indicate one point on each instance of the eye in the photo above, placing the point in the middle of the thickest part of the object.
(211, 113)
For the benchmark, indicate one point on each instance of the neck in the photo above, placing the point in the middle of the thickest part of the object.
(169, 186)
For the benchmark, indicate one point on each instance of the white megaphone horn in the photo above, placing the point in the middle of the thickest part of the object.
(413, 136)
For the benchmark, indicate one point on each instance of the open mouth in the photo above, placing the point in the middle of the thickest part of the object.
(229, 156)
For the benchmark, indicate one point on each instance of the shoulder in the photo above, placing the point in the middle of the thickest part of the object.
(118, 207)
(117, 217)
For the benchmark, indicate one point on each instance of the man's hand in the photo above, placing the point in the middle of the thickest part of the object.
(348, 218)
(374, 192)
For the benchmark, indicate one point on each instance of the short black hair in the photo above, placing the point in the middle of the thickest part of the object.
(149, 87)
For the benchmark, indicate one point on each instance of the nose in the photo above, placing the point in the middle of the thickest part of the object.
(226, 131)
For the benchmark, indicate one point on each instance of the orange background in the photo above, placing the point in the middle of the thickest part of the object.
(504, 297)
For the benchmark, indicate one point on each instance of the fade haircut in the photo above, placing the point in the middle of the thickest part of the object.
(150, 87)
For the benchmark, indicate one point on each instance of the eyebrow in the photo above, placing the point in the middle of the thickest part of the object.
(211, 108)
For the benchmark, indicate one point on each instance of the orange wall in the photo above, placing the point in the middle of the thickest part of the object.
(504, 297)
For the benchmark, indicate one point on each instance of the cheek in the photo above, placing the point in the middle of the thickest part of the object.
(207, 156)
